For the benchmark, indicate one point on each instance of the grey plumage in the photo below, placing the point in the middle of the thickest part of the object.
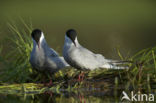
(82, 58)
(43, 58)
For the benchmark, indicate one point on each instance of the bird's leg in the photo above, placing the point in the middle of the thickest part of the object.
(81, 76)
(49, 84)
(50, 81)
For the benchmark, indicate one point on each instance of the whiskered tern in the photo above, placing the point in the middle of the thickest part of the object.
(43, 58)
(81, 58)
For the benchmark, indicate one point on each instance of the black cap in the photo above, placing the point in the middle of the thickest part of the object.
(71, 33)
(36, 34)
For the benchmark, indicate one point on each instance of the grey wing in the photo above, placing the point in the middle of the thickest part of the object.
(64, 62)
(56, 63)
(52, 52)
(98, 60)
(92, 55)
(89, 57)
(85, 51)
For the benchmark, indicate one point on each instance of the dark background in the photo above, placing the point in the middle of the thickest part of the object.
(102, 25)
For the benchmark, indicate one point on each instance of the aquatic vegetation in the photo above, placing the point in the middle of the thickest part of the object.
(16, 61)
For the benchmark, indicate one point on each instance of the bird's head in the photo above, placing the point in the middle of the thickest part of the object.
(37, 36)
(71, 34)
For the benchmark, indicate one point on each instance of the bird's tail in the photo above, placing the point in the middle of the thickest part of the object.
(116, 64)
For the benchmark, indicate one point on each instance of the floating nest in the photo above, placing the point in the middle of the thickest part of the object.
(67, 80)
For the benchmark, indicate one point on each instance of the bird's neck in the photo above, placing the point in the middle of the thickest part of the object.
(41, 47)
(76, 42)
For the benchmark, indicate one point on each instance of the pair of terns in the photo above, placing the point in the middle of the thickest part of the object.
(43, 58)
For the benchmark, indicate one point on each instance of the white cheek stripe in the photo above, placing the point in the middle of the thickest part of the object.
(42, 37)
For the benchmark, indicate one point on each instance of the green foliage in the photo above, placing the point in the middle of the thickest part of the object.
(16, 62)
